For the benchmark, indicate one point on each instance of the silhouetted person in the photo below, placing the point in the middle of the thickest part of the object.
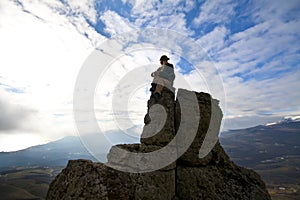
(164, 76)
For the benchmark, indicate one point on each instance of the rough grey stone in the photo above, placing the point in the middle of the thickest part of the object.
(212, 176)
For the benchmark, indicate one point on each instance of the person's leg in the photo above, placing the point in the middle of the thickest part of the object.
(157, 92)
(159, 88)
(159, 85)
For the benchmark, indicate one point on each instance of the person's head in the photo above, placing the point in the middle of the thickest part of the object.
(164, 59)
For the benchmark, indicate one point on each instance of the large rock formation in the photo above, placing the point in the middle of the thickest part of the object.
(213, 176)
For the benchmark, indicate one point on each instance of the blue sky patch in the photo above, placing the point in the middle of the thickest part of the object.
(185, 66)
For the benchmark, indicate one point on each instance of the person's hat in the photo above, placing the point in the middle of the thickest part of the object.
(164, 57)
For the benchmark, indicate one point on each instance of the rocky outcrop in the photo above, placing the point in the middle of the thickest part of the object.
(213, 176)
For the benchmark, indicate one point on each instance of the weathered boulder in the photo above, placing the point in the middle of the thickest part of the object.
(219, 182)
(83, 179)
(159, 127)
(212, 176)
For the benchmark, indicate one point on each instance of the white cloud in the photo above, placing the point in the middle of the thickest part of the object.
(42, 56)
(167, 7)
(215, 40)
(258, 65)
(86, 7)
(265, 100)
(176, 22)
(162, 14)
(252, 102)
(20, 141)
(13, 117)
(44, 43)
(115, 24)
(215, 12)
(274, 10)
(40, 8)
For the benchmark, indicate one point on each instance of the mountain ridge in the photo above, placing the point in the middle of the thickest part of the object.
(72, 146)
(276, 178)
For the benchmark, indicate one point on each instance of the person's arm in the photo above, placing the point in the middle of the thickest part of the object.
(156, 73)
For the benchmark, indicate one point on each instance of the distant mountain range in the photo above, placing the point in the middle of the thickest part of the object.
(55, 153)
(254, 147)
(272, 150)
(257, 146)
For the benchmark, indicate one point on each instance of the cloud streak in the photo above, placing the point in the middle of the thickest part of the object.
(254, 46)
(13, 117)
(211, 12)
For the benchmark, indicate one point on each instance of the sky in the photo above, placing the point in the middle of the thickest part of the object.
(245, 53)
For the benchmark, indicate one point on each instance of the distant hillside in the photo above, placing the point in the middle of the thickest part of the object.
(55, 153)
(259, 146)
(272, 150)
(26, 182)
(58, 153)
(255, 147)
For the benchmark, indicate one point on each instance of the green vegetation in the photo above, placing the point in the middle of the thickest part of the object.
(26, 183)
